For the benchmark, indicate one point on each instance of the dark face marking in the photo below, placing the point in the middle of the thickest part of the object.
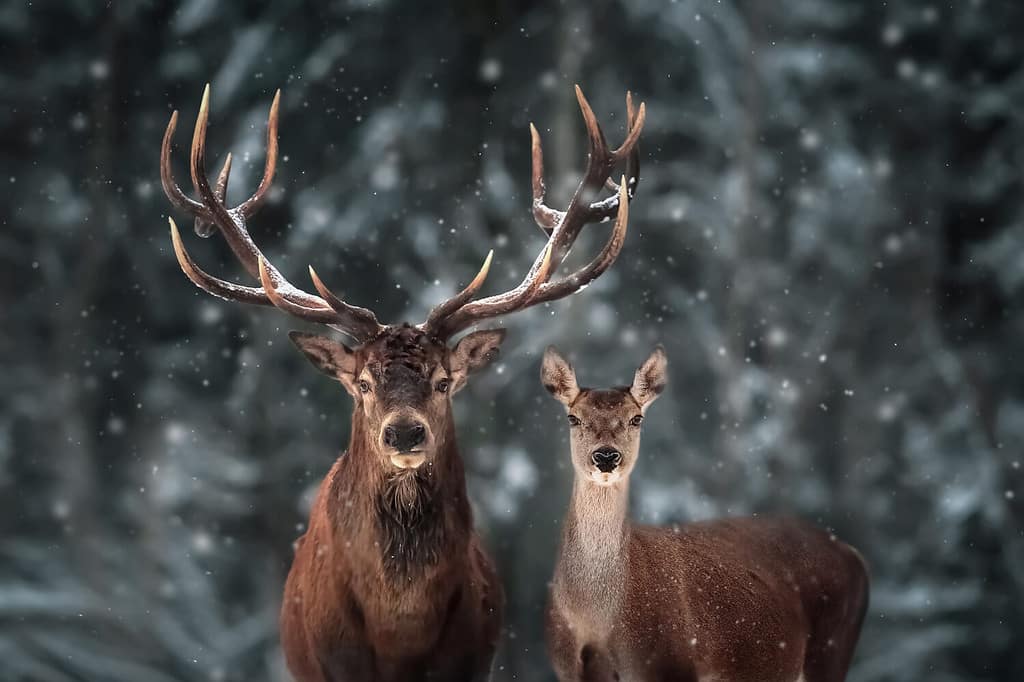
(402, 367)
(607, 398)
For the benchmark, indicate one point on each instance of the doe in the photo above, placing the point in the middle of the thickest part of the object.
(737, 600)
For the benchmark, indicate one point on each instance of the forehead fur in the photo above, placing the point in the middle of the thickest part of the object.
(401, 350)
(606, 398)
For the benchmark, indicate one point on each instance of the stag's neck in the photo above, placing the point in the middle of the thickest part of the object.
(590, 576)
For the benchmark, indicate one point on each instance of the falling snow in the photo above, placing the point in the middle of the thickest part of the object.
(826, 239)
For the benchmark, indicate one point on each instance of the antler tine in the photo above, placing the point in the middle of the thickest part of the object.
(443, 310)
(234, 231)
(204, 228)
(600, 157)
(220, 288)
(171, 188)
(359, 328)
(629, 148)
(249, 207)
(594, 132)
(313, 314)
(352, 316)
(634, 124)
(220, 190)
(359, 323)
(545, 217)
(501, 304)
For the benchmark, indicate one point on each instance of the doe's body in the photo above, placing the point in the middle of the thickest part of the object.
(733, 600)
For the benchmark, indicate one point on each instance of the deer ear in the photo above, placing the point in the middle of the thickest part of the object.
(558, 376)
(472, 353)
(330, 357)
(650, 379)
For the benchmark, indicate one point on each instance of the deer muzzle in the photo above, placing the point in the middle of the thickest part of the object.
(606, 459)
(406, 438)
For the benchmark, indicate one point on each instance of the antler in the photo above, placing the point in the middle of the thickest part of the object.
(562, 228)
(449, 317)
(547, 217)
(211, 211)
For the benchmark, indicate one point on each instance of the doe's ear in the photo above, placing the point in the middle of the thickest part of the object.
(472, 353)
(558, 376)
(330, 357)
(649, 381)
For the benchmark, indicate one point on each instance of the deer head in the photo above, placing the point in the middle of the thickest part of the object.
(402, 376)
(402, 382)
(604, 424)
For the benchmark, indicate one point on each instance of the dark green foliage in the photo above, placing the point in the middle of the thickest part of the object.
(827, 241)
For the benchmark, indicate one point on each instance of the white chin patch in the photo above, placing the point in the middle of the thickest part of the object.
(602, 478)
(408, 460)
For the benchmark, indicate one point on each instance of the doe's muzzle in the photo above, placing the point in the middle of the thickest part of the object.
(606, 459)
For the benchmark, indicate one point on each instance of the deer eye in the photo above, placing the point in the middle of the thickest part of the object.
(443, 385)
(635, 421)
(364, 386)
(574, 420)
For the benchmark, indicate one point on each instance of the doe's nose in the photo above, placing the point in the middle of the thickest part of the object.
(404, 436)
(606, 458)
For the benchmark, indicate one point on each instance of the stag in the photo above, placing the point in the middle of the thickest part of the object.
(741, 599)
(390, 582)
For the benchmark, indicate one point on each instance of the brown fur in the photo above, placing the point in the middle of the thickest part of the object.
(737, 600)
(390, 582)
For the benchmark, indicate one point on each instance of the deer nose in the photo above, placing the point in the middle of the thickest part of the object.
(606, 459)
(404, 436)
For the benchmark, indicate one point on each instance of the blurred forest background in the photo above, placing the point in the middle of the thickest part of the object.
(827, 238)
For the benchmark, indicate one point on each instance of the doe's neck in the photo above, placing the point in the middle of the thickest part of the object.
(594, 545)
(598, 514)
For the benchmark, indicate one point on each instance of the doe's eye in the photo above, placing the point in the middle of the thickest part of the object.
(443, 385)
(574, 420)
(364, 386)
(635, 421)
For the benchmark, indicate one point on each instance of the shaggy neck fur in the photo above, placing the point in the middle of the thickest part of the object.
(412, 517)
(590, 576)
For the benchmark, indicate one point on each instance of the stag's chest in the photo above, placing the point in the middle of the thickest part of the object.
(414, 615)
